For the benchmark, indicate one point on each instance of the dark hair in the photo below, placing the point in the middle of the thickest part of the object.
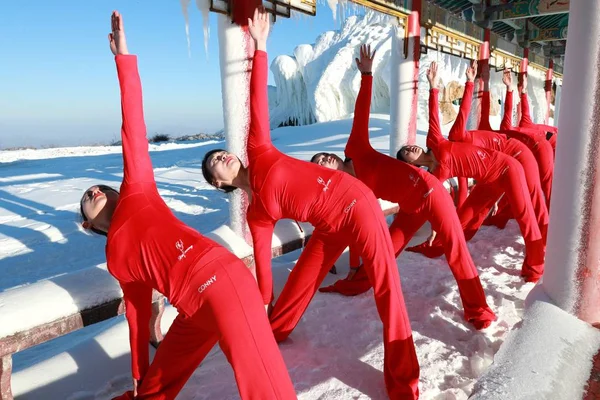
(103, 189)
(208, 176)
(314, 158)
(399, 153)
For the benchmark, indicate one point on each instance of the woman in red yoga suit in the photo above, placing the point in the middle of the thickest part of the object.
(149, 248)
(341, 208)
(526, 121)
(534, 139)
(502, 173)
(493, 141)
(421, 197)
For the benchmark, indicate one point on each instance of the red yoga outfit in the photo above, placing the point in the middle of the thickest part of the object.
(421, 197)
(500, 172)
(498, 142)
(344, 212)
(534, 139)
(527, 122)
(216, 296)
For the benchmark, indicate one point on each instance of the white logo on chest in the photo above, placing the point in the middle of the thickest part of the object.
(179, 245)
(481, 154)
(321, 181)
(206, 284)
(414, 179)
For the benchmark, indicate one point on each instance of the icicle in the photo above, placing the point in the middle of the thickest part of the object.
(333, 6)
(184, 9)
(203, 6)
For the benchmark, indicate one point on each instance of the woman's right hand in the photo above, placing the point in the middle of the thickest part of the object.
(432, 75)
(116, 39)
(259, 27)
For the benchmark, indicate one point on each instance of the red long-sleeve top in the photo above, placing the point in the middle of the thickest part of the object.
(458, 159)
(388, 178)
(527, 122)
(506, 125)
(480, 137)
(147, 246)
(283, 187)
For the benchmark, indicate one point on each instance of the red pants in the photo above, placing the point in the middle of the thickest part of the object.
(473, 212)
(544, 155)
(363, 226)
(439, 209)
(525, 157)
(229, 311)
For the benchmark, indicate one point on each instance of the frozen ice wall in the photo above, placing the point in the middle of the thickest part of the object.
(319, 82)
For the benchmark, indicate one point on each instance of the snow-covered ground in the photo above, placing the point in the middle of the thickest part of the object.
(336, 351)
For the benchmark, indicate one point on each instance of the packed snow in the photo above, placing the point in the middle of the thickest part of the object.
(336, 351)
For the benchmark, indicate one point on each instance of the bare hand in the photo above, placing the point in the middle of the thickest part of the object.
(135, 387)
(116, 39)
(431, 238)
(472, 71)
(365, 63)
(524, 82)
(259, 25)
(495, 209)
(507, 78)
(432, 75)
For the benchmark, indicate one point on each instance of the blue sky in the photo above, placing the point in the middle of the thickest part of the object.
(58, 83)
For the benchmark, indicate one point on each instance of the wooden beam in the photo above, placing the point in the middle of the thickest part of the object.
(531, 8)
(549, 35)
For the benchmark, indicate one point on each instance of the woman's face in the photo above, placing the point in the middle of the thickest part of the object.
(410, 154)
(95, 199)
(224, 167)
(329, 160)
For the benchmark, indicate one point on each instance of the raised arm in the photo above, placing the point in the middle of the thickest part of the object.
(484, 122)
(458, 132)
(262, 237)
(506, 123)
(138, 311)
(260, 131)
(525, 113)
(359, 136)
(136, 160)
(434, 134)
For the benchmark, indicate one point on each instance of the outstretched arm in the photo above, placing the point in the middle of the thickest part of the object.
(137, 166)
(262, 237)
(260, 130)
(434, 134)
(525, 113)
(138, 311)
(458, 132)
(484, 121)
(506, 123)
(359, 136)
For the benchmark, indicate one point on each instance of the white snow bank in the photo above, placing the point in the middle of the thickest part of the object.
(48, 300)
(549, 356)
